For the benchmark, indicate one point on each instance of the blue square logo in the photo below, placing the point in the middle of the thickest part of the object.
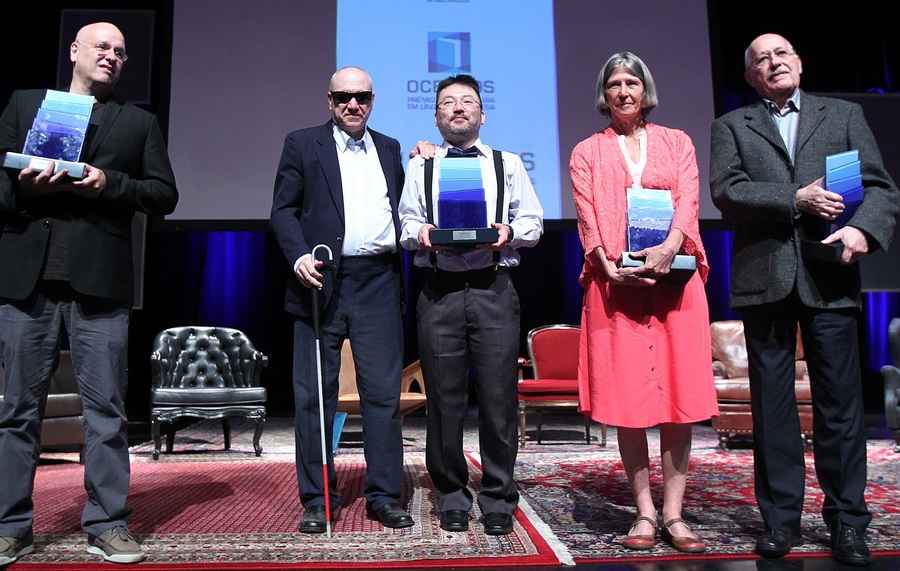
(449, 51)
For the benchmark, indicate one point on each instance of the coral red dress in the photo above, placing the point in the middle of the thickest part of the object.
(645, 351)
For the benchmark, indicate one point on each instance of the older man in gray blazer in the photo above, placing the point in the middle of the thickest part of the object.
(767, 168)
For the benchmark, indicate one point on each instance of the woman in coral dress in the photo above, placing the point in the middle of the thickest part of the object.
(645, 349)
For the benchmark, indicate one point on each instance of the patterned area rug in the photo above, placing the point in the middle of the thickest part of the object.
(582, 494)
(230, 509)
(575, 507)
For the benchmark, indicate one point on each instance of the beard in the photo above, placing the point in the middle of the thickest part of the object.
(451, 131)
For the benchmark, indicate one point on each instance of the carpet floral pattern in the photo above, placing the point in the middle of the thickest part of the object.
(204, 503)
(229, 507)
(582, 494)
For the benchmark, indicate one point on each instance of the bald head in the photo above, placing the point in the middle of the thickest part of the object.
(97, 56)
(350, 100)
(773, 68)
(350, 77)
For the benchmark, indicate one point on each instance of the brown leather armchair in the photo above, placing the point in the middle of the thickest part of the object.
(207, 373)
(63, 424)
(729, 363)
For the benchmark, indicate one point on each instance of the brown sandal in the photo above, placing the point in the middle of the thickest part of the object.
(683, 543)
(640, 542)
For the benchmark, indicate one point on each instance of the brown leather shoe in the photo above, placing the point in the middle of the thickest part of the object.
(683, 543)
(640, 542)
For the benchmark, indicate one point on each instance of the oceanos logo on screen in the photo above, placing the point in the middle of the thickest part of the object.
(449, 51)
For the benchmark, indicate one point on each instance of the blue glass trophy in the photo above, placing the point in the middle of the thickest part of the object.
(56, 135)
(649, 219)
(842, 175)
(461, 207)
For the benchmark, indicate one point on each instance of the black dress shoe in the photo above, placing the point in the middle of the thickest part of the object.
(776, 543)
(455, 520)
(314, 520)
(390, 515)
(848, 546)
(498, 523)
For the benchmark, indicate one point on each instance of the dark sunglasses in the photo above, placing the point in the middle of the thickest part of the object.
(344, 97)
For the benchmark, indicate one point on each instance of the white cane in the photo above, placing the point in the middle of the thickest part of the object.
(315, 317)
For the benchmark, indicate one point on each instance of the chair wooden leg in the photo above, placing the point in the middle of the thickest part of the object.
(260, 422)
(539, 413)
(602, 434)
(170, 437)
(587, 429)
(521, 424)
(808, 442)
(157, 439)
(723, 440)
(226, 430)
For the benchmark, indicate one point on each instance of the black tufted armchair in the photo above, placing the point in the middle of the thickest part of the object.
(891, 374)
(205, 372)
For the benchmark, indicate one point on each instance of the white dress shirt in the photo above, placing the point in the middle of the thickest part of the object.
(368, 224)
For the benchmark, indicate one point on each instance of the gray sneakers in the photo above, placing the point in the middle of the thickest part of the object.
(116, 545)
(11, 548)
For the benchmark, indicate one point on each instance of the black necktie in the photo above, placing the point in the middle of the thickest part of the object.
(453, 152)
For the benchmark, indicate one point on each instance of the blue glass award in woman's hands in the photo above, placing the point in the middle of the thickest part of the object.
(462, 210)
(649, 219)
(56, 135)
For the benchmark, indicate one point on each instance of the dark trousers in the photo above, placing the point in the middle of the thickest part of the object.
(364, 307)
(30, 334)
(470, 319)
(839, 444)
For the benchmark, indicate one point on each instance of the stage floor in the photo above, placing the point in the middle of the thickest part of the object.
(567, 427)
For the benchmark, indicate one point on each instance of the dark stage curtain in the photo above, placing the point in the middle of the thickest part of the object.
(237, 279)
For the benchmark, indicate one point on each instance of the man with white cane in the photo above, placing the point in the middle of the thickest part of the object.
(339, 185)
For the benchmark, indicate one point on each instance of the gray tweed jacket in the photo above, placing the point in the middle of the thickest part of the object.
(753, 183)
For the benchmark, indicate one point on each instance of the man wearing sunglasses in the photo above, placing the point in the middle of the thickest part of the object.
(339, 184)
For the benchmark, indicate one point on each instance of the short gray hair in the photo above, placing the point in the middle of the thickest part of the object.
(637, 67)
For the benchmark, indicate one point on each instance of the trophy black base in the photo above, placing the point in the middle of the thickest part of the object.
(464, 236)
(683, 267)
(816, 249)
(19, 161)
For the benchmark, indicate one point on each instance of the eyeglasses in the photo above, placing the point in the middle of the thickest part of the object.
(451, 102)
(764, 58)
(103, 48)
(344, 97)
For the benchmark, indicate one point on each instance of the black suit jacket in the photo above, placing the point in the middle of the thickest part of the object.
(753, 183)
(308, 202)
(130, 149)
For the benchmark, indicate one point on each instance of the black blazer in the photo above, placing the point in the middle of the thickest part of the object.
(308, 202)
(753, 183)
(130, 149)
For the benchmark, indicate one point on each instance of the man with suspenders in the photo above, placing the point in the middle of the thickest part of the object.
(468, 311)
